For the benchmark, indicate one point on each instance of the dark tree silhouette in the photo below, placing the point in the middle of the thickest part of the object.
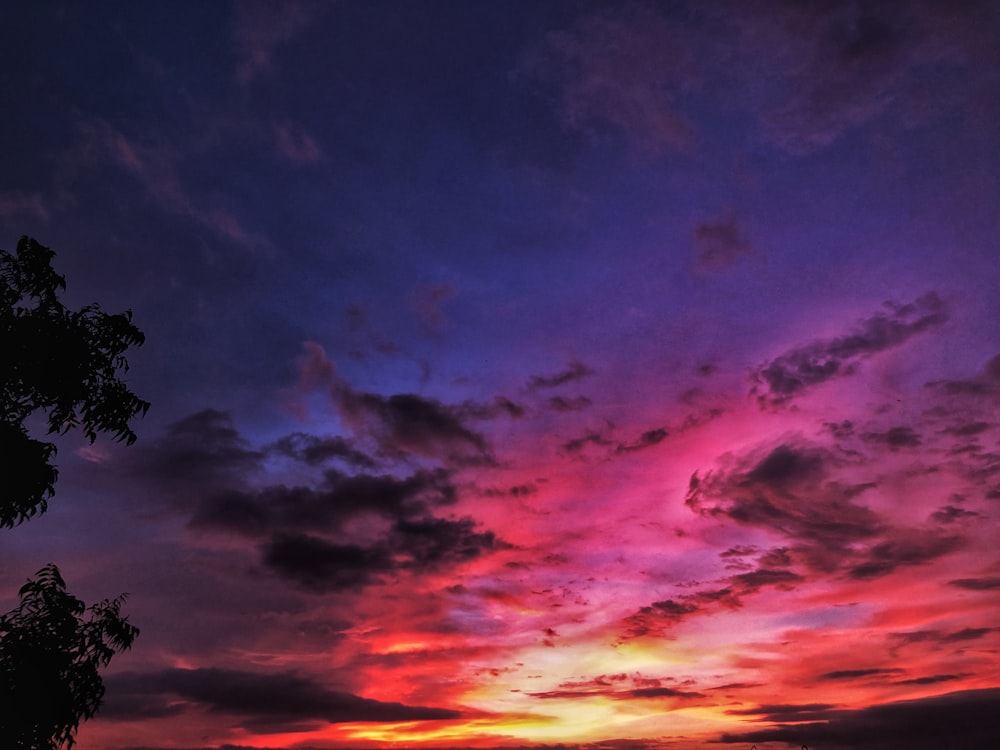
(58, 367)
(49, 657)
(59, 362)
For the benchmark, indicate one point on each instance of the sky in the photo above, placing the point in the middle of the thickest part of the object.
(523, 374)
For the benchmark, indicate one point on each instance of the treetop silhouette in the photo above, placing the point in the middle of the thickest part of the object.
(60, 362)
(64, 365)
(49, 659)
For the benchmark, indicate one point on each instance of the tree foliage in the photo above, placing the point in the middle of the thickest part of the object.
(49, 659)
(59, 367)
(59, 362)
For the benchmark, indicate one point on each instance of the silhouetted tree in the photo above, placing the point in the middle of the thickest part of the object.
(63, 364)
(60, 362)
(49, 659)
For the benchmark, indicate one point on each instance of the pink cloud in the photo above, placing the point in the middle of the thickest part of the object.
(17, 204)
(156, 167)
(297, 146)
(262, 27)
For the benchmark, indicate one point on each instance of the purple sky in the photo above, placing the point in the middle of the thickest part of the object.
(528, 373)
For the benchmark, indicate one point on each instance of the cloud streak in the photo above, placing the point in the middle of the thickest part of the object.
(803, 368)
(961, 718)
(621, 71)
(267, 702)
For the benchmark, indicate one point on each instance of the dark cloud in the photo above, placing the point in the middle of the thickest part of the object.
(315, 368)
(970, 449)
(240, 512)
(913, 548)
(782, 712)
(727, 597)
(986, 383)
(321, 565)
(618, 687)
(327, 507)
(951, 513)
(663, 692)
(315, 450)
(306, 533)
(430, 542)
(559, 403)
(895, 438)
(976, 584)
(266, 702)
(938, 638)
(749, 583)
(202, 448)
(916, 636)
(367, 334)
(720, 244)
(658, 618)
(785, 711)
(833, 67)
(789, 491)
(820, 69)
(855, 674)
(968, 634)
(576, 445)
(776, 558)
(501, 406)
(933, 679)
(963, 719)
(840, 430)
(646, 440)
(802, 368)
(969, 429)
(738, 551)
(576, 371)
(407, 424)
(517, 490)
(849, 64)
(564, 694)
(785, 467)
(670, 609)
(737, 686)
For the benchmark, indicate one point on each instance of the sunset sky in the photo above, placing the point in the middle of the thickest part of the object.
(526, 373)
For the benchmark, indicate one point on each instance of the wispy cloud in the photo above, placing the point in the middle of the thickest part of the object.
(841, 67)
(261, 28)
(16, 204)
(297, 146)
(986, 383)
(156, 166)
(576, 371)
(402, 424)
(719, 244)
(622, 71)
(805, 367)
